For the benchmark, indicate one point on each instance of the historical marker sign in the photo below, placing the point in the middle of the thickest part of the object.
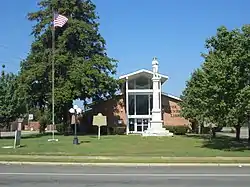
(100, 120)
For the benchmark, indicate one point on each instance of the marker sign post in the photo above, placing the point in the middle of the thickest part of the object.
(100, 120)
(17, 141)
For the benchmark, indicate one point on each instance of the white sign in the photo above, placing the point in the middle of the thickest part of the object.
(99, 121)
(31, 116)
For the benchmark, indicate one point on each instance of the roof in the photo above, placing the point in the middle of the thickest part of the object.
(171, 96)
(145, 72)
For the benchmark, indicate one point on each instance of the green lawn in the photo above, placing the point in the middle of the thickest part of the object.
(132, 145)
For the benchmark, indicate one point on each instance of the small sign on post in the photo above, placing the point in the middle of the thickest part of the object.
(31, 116)
(100, 120)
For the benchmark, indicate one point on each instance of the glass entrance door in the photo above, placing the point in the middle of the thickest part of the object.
(138, 125)
(142, 125)
(145, 124)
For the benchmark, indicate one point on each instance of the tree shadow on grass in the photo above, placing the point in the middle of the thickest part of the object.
(86, 141)
(224, 143)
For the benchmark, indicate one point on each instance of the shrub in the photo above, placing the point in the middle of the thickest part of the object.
(44, 121)
(116, 130)
(170, 128)
(205, 130)
(60, 128)
(119, 130)
(178, 130)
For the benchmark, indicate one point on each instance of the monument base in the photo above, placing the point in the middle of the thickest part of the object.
(156, 129)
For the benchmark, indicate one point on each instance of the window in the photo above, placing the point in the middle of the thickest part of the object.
(145, 124)
(151, 104)
(142, 104)
(131, 102)
(139, 125)
(142, 83)
(131, 124)
(131, 84)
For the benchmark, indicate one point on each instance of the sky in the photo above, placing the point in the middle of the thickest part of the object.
(136, 31)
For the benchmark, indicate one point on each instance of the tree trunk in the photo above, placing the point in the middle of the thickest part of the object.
(248, 133)
(237, 128)
(199, 128)
(66, 120)
(213, 132)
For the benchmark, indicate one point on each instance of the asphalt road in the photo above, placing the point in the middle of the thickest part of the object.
(86, 176)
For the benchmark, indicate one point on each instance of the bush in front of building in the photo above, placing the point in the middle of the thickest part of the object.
(60, 128)
(117, 130)
(178, 130)
(43, 121)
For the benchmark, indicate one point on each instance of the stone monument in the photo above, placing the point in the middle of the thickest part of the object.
(156, 123)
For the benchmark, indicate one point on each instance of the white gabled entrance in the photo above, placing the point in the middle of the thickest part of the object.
(139, 92)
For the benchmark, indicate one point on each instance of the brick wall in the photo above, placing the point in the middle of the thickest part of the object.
(171, 112)
(115, 109)
(33, 126)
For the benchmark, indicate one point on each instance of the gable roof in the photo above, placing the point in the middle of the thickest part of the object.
(143, 72)
(171, 96)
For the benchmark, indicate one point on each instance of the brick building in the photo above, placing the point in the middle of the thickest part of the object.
(132, 108)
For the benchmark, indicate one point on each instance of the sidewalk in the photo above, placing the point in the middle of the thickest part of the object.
(121, 159)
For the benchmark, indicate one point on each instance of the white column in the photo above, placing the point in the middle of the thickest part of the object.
(149, 104)
(156, 111)
(156, 124)
(149, 111)
(160, 97)
(127, 107)
(134, 103)
(156, 93)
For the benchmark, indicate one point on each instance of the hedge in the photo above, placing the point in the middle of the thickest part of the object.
(178, 130)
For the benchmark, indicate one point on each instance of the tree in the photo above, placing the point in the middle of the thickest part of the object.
(11, 106)
(197, 97)
(232, 51)
(226, 69)
(83, 68)
(192, 98)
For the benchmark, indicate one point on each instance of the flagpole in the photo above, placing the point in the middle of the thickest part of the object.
(53, 79)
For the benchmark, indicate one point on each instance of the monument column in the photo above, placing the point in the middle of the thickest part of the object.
(156, 123)
(156, 109)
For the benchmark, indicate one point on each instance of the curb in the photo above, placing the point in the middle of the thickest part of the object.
(127, 164)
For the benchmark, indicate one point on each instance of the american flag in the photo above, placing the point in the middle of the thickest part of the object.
(59, 20)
